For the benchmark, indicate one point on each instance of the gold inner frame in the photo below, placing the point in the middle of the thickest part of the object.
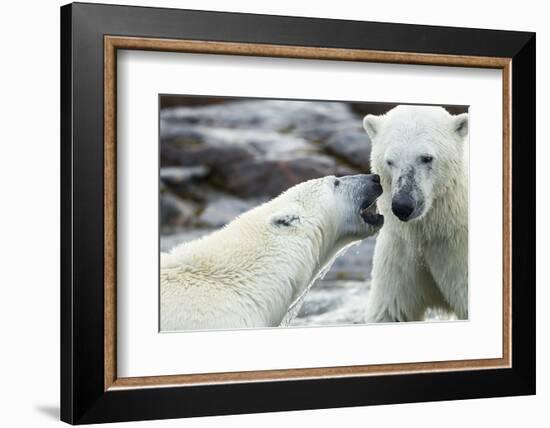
(113, 43)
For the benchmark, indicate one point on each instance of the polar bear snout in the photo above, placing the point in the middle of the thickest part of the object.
(402, 206)
(363, 188)
(370, 189)
(408, 202)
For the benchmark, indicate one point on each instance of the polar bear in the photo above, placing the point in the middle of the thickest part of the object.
(421, 255)
(251, 272)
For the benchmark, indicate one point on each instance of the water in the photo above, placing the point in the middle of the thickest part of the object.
(294, 309)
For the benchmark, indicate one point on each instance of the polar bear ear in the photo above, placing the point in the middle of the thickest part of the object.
(285, 218)
(372, 124)
(461, 124)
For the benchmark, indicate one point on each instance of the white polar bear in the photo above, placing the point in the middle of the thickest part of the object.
(421, 255)
(251, 272)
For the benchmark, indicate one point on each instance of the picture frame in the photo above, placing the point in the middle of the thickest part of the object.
(91, 35)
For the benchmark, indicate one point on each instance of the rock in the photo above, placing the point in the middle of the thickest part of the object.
(276, 115)
(175, 211)
(352, 145)
(268, 176)
(221, 211)
(200, 193)
(319, 302)
(348, 141)
(259, 148)
(180, 133)
(264, 141)
(188, 186)
(333, 303)
(270, 143)
(355, 264)
(174, 175)
(342, 170)
(188, 182)
(321, 131)
(215, 146)
(214, 155)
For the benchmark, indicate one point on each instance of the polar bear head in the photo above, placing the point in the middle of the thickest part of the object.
(314, 220)
(336, 207)
(419, 153)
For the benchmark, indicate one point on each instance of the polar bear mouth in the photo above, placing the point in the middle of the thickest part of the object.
(370, 216)
(373, 219)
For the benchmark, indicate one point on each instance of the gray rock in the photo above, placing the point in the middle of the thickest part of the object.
(180, 133)
(276, 115)
(174, 175)
(268, 176)
(319, 302)
(352, 145)
(264, 141)
(202, 154)
(175, 211)
(221, 211)
(333, 303)
(347, 140)
(355, 264)
(218, 146)
(259, 148)
(319, 132)
(188, 182)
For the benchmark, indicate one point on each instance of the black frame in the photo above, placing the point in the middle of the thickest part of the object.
(83, 399)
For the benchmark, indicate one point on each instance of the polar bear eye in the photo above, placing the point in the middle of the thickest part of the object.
(390, 163)
(336, 183)
(426, 159)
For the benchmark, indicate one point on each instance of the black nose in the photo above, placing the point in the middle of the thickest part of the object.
(375, 178)
(402, 206)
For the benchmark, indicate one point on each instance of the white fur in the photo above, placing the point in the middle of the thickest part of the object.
(249, 273)
(421, 263)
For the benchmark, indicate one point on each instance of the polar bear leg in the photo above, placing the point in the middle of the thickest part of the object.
(449, 266)
(400, 298)
(402, 288)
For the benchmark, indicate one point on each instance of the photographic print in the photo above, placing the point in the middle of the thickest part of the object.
(218, 233)
(301, 213)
